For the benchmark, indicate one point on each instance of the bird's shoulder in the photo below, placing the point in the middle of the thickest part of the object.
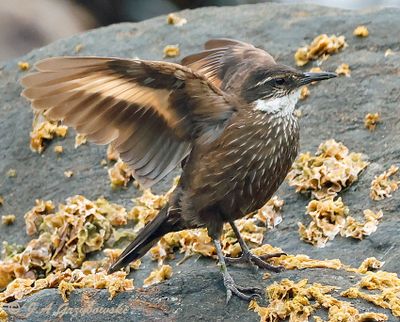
(227, 62)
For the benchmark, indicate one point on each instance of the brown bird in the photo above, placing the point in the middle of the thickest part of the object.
(225, 114)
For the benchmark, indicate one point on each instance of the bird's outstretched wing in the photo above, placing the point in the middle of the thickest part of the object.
(151, 112)
(223, 57)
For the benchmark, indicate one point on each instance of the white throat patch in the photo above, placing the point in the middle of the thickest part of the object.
(281, 106)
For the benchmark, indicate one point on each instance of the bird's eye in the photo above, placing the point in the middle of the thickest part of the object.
(279, 81)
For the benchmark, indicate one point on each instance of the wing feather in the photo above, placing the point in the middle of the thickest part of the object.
(151, 112)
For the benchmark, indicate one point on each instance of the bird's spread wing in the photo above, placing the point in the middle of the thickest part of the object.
(222, 57)
(151, 112)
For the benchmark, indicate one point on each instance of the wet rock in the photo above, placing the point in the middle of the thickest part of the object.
(335, 109)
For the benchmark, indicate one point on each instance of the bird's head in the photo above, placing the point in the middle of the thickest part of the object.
(276, 88)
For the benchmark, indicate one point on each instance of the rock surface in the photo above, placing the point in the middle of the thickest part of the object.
(335, 109)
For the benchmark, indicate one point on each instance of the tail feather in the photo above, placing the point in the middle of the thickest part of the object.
(146, 238)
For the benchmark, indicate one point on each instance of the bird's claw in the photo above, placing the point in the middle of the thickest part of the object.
(258, 261)
(240, 291)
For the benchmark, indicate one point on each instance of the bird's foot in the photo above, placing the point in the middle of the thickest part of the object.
(244, 293)
(240, 291)
(258, 261)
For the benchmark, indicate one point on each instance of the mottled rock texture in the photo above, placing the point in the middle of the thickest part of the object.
(335, 109)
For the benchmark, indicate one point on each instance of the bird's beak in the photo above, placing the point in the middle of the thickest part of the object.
(314, 77)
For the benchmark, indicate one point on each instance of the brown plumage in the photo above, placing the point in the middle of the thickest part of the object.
(225, 112)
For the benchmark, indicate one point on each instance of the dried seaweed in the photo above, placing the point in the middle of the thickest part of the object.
(8, 219)
(112, 154)
(23, 66)
(299, 261)
(361, 31)
(11, 173)
(65, 236)
(45, 131)
(358, 230)
(332, 169)
(80, 139)
(171, 51)
(297, 301)
(120, 174)
(371, 120)
(382, 186)
(66, 282)
(370, 263)
(387, 283)
(158, 275)
(3, 315)
(174, 19)
(320, 48)
(343, 69)
(68, 173)
(330, 217)
(304, 93)
(58, 149)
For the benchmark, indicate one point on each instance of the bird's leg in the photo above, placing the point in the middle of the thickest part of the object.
(250, 258)
(230, 285)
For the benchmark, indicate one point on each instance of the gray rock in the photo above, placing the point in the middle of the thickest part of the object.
(334, 109)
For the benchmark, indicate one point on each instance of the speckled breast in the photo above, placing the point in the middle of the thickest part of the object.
(263, 156)
(241, 170)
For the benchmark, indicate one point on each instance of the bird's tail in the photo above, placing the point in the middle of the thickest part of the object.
(147, 237)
